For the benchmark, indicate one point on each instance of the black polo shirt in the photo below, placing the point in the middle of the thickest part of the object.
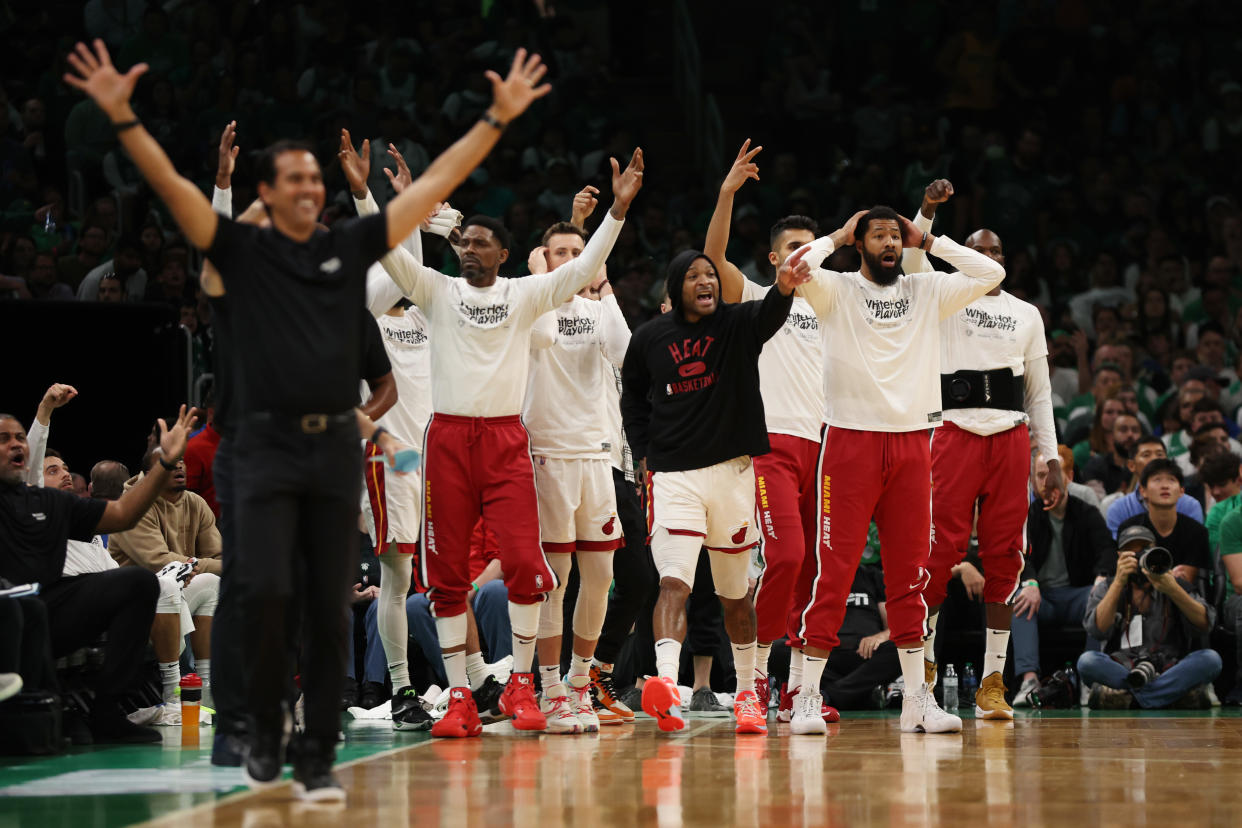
(35, 523)
(293, 312)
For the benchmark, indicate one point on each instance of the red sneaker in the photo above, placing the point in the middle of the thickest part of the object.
(519, 701)
(662, 701)
(830, 713)
(763, 690)
(784, 708)
(462, 718)
(750, 717)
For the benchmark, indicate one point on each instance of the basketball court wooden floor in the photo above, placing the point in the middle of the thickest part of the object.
(1069, 768)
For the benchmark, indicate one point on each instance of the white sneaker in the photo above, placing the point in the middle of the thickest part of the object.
(560, 716)
(1023, 697)
(919, 712)
(583, 706)
(808, 717)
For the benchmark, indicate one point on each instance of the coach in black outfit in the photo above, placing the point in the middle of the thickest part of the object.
(294, 290)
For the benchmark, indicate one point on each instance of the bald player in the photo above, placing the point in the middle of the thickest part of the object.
(997, 402)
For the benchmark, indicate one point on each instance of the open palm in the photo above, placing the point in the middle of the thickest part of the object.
(517, 91)
(95, 75)
(626, 183)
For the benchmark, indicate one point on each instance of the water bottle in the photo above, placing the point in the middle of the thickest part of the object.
(191, 697)
(949, 688)
(49, 223)
(970, 682)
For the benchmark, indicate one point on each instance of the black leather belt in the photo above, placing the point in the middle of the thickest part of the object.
(997, 388)
(305, 423)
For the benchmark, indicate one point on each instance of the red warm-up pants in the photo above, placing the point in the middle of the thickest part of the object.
(787, 513)
(993, 471)
(480, 467)
(861, 474)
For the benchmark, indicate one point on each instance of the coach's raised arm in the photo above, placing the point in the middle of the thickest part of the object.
(296, 214)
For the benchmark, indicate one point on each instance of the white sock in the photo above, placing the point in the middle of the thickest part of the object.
(524, 622)
(603, 668)
(911, 667)
(994, 652)
(795, 670)
(452, 634)
(579, 671)
(929, 644)
(202, 666)
(170, 679)
(762, 651)
(550, 680)
(668, 658)
(476, 670)
(812, 672)
(744, 665)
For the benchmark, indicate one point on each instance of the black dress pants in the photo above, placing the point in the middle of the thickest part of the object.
(25, 643)
(635, 581)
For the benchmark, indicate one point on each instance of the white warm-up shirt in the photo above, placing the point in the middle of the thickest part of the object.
(882, 343)
(791, 370)
(481, 337)
(568, 385)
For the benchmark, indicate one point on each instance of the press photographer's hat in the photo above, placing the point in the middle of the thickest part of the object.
(1135, 533)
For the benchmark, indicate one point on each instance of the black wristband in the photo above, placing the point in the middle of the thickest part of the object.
(168, 466)
(124, 125)
(923, 243)
(492, 121)
(375, 436)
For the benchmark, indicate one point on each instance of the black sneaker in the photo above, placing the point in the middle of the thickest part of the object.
(408, 712)
(227, 749)
(372, 695)
(487, 700)
(349, 696)
(262, 761)
(632, 698)
(314, 781)
(1234, 699)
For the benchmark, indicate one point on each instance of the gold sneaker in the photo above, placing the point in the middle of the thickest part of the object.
(929, 672)
(990, 699)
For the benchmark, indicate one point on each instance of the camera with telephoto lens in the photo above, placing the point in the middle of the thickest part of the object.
(1155, 559)
(1144, 668)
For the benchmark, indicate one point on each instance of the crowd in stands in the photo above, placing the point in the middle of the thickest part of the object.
(1118, 205)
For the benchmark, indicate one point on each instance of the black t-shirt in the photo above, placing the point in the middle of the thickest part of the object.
(862, 609)
(690, 391)
(1188, 541)
(35, 523)
(222, 368)
(291, 305)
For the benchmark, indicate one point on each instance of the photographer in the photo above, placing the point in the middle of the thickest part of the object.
(1160, 490)
(1148, 619)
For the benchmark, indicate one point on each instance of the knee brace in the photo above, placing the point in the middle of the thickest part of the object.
(675, 556)
(170, 596)
(202, 594)
(730, 572)
(595, 576)
(552, 610)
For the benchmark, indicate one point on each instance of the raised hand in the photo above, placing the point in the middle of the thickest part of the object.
(911, 236)
(94, 74)
(793, 272)
(584, 204)
(938, 191)
(743, 168)
(172, 440)
(537, 261)
(403, 177)
(227, 156)
(57, 395)
(518, 90)
(357, 168)
(627, 183)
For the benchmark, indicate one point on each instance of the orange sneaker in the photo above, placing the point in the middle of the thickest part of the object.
(662, 701)
(519, 701)
(462, 718)
(608, 707)
(751, 718)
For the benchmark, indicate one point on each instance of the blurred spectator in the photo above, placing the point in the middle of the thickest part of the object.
(1127, 503)
(1108, 472)
(126, 264)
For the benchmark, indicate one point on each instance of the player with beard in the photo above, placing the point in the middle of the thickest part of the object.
(882, 386)
(997, 402)
(793, 404)
(693, 413)
(476, 457)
